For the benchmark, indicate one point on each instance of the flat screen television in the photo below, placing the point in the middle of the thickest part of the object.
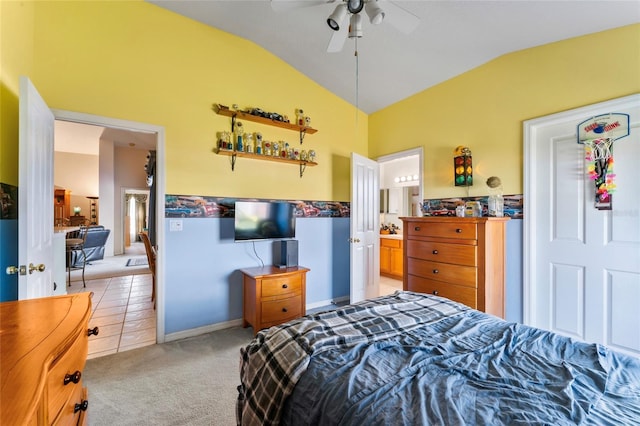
(264, 220)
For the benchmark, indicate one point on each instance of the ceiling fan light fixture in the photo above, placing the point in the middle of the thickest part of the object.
(374, 12)
(355, 6)
(355, 26)
(335, 19)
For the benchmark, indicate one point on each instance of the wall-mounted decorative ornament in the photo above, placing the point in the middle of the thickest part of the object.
(462, 166)
(597, 134)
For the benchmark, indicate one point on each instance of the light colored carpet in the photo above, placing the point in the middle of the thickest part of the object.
(187, 382)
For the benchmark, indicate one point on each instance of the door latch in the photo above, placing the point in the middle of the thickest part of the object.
(12, 270)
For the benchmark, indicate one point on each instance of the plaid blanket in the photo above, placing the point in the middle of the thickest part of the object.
(272, 363)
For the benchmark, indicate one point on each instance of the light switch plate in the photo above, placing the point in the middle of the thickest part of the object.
(175, 225)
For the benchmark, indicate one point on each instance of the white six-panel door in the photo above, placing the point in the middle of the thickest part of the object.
(365, 228)
(582, 265)
(35, 195)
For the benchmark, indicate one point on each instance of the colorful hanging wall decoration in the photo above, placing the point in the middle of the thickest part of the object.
(597, 134)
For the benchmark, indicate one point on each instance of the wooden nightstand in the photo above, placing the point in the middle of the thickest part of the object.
(273, 295)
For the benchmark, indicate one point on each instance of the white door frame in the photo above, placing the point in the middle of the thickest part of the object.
(531, 129)
(160, 188)
(419, 151)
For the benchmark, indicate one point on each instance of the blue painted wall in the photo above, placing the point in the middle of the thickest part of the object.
(8, 257)
(203, 285)
(513, 296)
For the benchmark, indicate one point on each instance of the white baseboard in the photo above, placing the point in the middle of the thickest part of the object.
(336, 301)
(192, 332)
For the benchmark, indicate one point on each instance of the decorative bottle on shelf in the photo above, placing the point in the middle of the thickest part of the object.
(239, 146)
(495, 203)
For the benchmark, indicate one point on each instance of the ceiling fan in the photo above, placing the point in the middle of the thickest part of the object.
(377, 11)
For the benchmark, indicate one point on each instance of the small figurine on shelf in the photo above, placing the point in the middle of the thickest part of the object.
(248, 141)
(303, 155)
(312, 155)
(276, 149)
(285, 150)
(258, 143)
(295, 155)
(222, 144)
(239, 134)
(299, 117)
(307, 121)
(267, 148)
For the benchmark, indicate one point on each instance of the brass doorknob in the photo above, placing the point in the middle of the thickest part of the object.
(39, 268)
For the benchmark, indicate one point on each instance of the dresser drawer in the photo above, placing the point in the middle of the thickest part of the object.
(455, 230)
(459, 254)
(281, 286)
(455, 274)
(458, 293)
(281, 310)
(71, 412)
(68, 364)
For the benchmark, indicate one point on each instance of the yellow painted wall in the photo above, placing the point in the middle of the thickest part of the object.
(135, 61)
(16, 57)
(485, 108)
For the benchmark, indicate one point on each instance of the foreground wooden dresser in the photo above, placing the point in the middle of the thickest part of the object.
(462, 259)
(43, 349)
(273, 295)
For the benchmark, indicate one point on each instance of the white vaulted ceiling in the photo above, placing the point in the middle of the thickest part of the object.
(451, 38)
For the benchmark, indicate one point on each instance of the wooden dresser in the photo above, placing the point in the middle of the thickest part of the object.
(43, 348)
(273, 295)
(462, 259)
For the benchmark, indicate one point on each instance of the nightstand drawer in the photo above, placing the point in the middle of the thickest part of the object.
(458, 293)
(456, 230)
(277, 311)
(456, 274)
(459, 254)
(281, 286)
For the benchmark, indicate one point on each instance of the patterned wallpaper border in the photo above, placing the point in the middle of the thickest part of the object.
(205, 207)
(513, 205)
(202, 206)
(8, 201)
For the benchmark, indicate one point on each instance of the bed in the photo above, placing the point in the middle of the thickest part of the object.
(417, 359)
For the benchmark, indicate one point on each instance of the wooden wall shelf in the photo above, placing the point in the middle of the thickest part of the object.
(234, 154)
(262, 120)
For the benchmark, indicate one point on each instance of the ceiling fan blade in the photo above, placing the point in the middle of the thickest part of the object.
(337, 39)
(400, 18)
(286, 5)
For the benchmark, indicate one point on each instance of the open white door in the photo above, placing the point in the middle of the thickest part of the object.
(35, 195)
(364, 236)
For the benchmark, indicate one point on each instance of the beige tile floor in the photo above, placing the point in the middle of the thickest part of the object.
(122, 311)
(389, 285)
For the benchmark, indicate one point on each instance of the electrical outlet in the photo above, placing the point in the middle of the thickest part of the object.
(175, 225)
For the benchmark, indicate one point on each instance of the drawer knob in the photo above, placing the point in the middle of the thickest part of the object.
(93, 331)
(458, 231)
(435, 271)
(285, 286)
(72, 378)
(435, 252)
(417, 228)
(82, 406)
(284, 309)
(435, 292)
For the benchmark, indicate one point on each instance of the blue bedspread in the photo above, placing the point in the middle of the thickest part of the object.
(465, 368)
